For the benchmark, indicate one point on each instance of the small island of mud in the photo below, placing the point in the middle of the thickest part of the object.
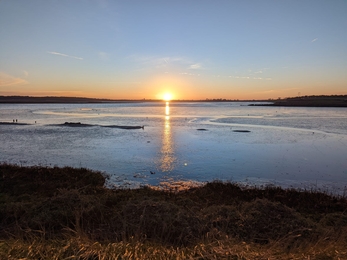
(79, 124)
(76, 124)
(241, 131)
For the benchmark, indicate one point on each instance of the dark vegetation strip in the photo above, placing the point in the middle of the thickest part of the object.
(310, 101)
(53, 203)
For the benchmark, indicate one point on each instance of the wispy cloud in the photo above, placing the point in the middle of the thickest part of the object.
(26, 73)
(189, 74)
(195, 66)
(165, 62)
(265, 91)
(250, 78)
(250, 74)
(239, 77)
(8, 80)
(64, 55)
(315, 39)
(149, 61)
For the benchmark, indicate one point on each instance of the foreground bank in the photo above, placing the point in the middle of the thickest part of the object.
(65, 213)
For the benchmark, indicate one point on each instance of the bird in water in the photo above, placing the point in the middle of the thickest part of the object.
(152, 172)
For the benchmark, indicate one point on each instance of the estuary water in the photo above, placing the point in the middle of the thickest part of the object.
(183, 143)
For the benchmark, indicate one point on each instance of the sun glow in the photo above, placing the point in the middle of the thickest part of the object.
(167, 96)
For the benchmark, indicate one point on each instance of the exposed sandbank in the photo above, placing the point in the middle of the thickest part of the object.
(78, 124)
(13, 123)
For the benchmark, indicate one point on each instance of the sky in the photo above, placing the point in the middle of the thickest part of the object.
(249, 49)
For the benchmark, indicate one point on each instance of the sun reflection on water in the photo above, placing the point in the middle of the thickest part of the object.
(167, 110)
(167, 150)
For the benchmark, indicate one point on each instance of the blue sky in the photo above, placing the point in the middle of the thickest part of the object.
(193, 49)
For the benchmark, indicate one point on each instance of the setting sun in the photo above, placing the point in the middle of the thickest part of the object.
(167, 96)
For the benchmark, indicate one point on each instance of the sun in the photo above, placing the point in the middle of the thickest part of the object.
(167, 96)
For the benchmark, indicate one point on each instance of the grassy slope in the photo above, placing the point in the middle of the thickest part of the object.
(48, 213)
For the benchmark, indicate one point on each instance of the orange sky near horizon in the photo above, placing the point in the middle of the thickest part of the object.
(181, 87)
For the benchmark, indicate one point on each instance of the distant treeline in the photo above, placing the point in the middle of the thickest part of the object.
(313, 101)
(28, 99)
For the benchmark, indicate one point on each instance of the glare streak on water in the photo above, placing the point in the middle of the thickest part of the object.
(298, 147)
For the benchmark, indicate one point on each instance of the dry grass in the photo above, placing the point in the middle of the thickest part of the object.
(77, 248)
(66, 213)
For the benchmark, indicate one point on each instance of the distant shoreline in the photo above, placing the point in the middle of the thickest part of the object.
(82, 100)
(305, 101)
(310, 101)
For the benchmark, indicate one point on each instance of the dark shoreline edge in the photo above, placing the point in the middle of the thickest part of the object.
(309, 101)
(298, 105)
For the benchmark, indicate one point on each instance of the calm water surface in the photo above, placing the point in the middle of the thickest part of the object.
(291, 147)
